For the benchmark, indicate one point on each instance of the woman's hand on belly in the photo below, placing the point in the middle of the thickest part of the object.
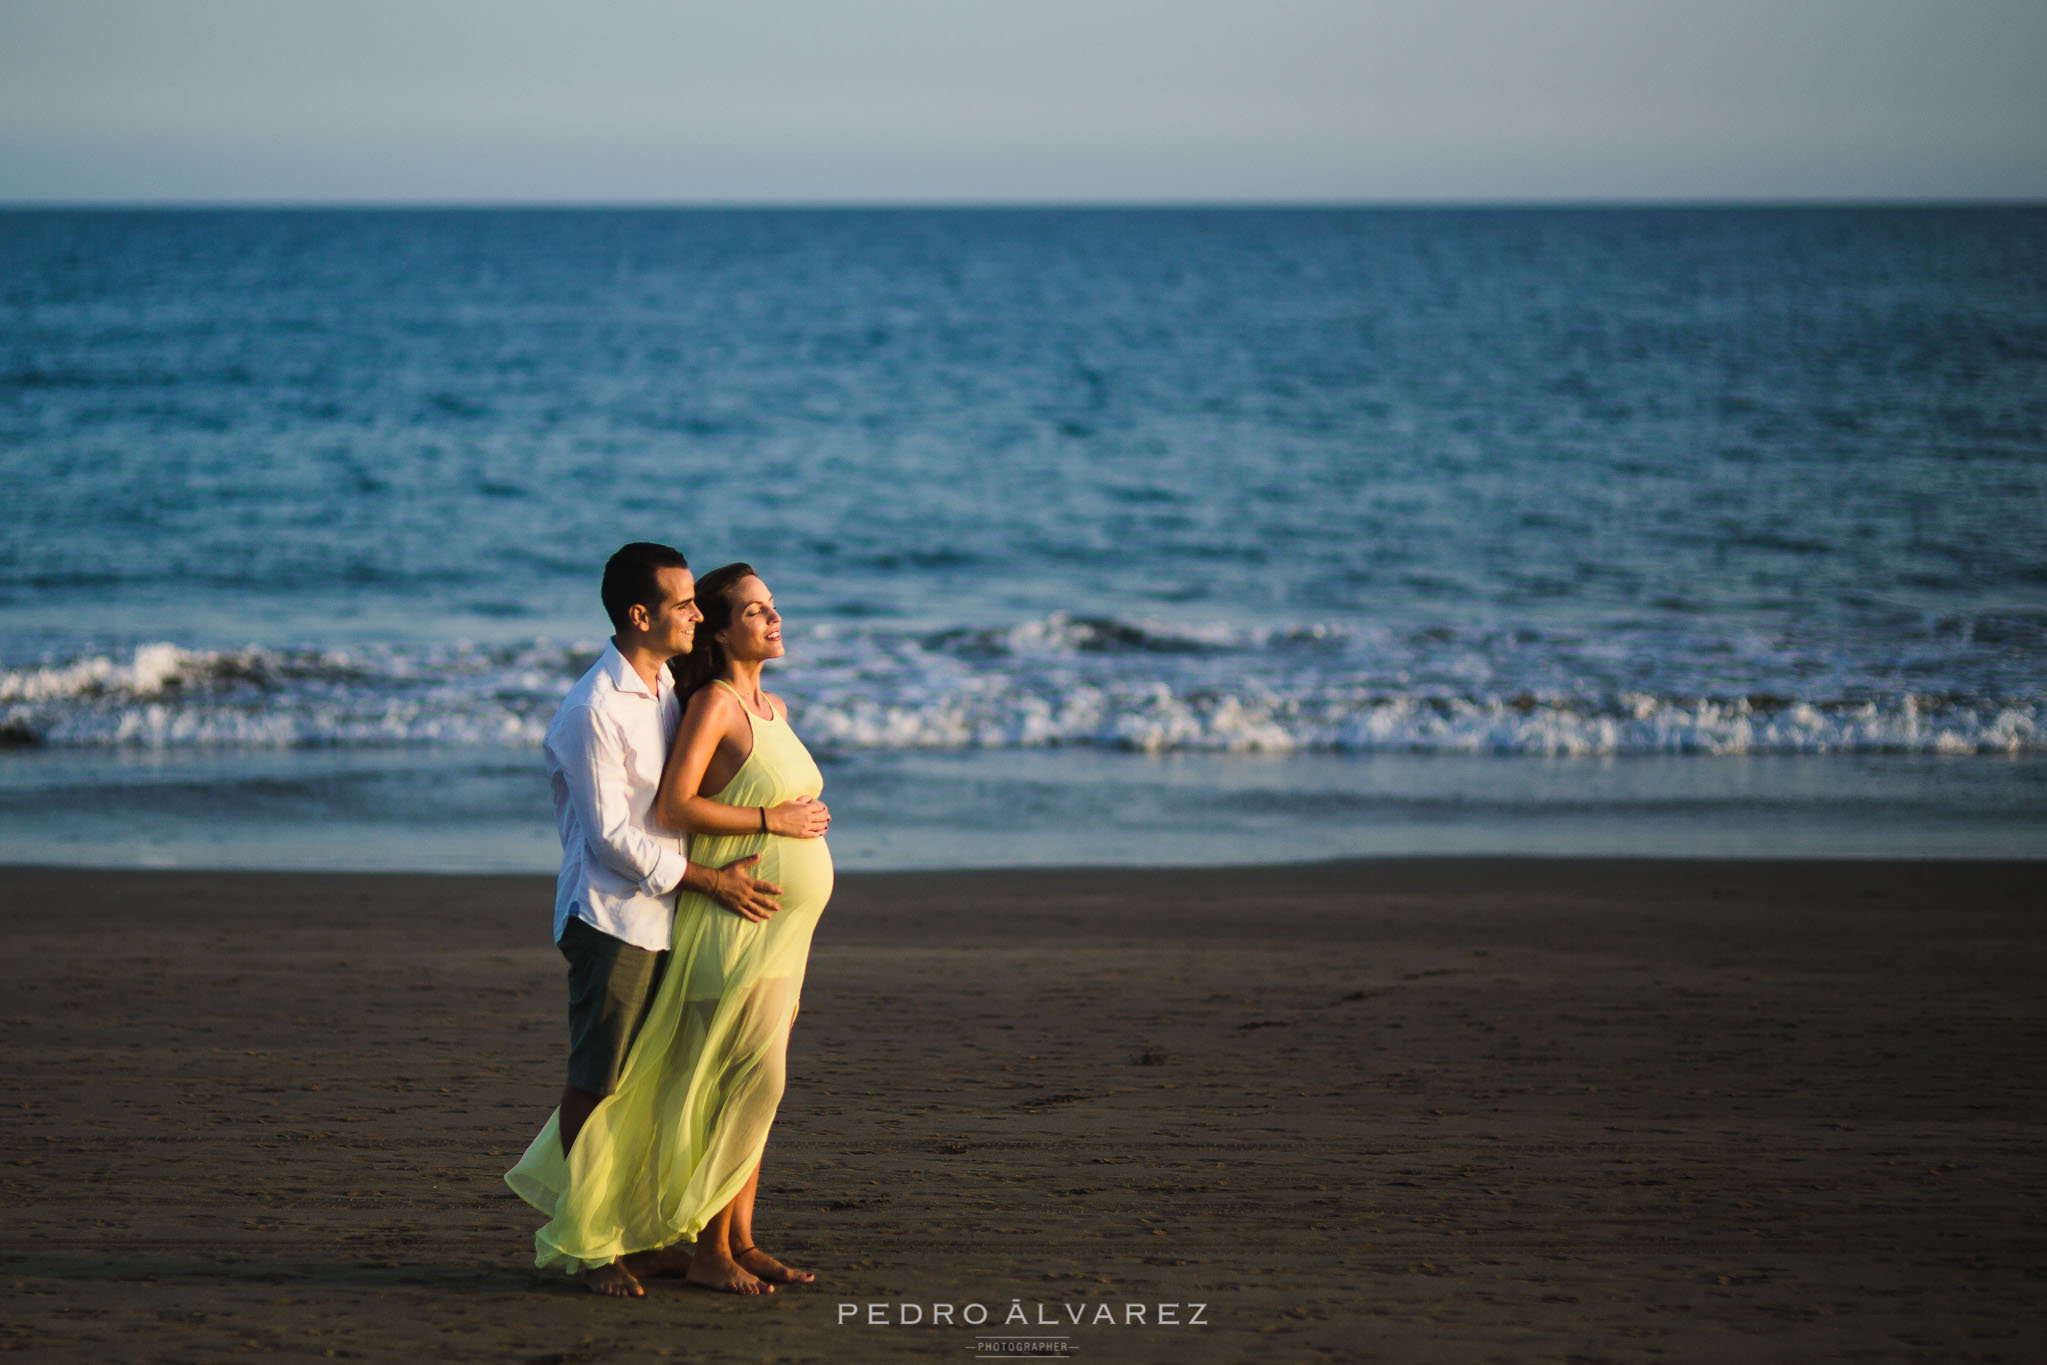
(806, 817)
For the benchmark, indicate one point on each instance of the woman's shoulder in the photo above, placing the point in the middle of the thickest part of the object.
(713, 703)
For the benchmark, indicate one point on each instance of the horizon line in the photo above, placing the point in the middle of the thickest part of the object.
(373, 205)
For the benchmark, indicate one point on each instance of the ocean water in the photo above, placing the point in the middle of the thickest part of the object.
(1104, 536)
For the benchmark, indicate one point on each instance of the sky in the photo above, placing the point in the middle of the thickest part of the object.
(1019, 101)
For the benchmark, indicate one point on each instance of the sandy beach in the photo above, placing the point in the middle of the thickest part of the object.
(1408, 1110)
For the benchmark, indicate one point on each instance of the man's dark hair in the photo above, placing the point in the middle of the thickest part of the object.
(630, 579)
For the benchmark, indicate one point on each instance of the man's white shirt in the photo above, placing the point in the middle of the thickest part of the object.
(605, 748)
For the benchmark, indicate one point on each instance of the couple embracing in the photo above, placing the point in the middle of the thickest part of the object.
(694, 870)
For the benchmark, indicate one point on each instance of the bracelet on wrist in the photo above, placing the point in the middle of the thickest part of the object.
(764, 819)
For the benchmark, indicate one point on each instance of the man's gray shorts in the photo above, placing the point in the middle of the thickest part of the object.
(611, 988)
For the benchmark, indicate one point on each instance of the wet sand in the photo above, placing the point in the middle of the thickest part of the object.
(1413, 1110)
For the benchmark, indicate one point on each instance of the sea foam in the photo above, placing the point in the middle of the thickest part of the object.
(1061, 681)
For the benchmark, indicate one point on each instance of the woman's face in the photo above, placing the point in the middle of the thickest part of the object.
(756, 628)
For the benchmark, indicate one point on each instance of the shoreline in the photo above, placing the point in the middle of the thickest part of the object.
(325, 811)
(1415, 1107)
(1424, 865)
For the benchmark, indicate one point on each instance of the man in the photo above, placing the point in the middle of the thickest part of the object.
(615, 898)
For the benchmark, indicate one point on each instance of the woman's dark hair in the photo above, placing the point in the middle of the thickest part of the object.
(707, 659)
(632, 579)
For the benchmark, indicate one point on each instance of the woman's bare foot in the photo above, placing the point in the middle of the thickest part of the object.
(770, 1269)
(613, 1280)
(717, 1271)
(660, 1261)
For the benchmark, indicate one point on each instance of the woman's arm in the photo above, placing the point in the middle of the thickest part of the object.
(715, 717)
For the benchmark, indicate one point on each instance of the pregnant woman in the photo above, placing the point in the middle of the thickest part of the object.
(677, 1149)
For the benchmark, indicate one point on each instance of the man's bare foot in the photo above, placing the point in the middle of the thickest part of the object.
(659, 1261)
(770, 1269)
(714, 1271)
(613, 1280)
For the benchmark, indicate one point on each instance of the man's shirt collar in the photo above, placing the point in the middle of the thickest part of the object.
(622, 676)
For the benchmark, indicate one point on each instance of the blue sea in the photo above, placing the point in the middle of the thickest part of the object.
(1152, 536)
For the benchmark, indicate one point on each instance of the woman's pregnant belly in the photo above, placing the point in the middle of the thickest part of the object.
(721, 949)
(803, 869)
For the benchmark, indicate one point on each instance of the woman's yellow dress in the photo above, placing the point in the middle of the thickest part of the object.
(689, 1120)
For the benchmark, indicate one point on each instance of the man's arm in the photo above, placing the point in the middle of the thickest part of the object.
(592, 759)
(734, 887)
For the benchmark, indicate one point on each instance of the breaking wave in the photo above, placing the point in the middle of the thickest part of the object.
(1106, 683)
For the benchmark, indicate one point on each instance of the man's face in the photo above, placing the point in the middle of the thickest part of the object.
(672, 622)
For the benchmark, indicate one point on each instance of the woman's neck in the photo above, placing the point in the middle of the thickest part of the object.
(744, 675)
